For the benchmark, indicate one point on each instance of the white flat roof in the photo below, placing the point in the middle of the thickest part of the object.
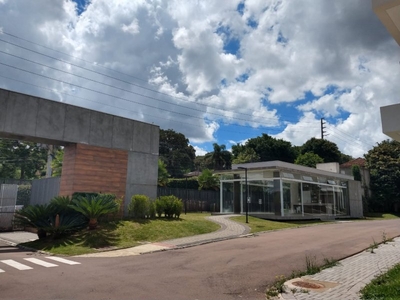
(280, 165)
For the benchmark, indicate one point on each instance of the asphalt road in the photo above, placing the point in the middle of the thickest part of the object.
(234, 269)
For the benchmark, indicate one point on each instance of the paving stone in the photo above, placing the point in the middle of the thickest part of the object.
(353, 273)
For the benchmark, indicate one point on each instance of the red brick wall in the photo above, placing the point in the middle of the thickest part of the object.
(93, 169)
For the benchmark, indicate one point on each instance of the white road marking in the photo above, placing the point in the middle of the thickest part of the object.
(2, 271)
(41, 262)
(63, 260)
(14, 264)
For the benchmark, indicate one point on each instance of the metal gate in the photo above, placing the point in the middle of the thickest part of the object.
(8, 199)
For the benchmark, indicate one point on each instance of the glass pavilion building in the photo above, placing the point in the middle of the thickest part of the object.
(279, 190)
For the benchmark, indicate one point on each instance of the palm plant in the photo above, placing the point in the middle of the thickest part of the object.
(37, 216)
(207, 180)
(54, 219)
(95, 207)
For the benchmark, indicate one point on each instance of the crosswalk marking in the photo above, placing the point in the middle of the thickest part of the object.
(41, 262)
(14, 264)
(2, 271)
(63, 260)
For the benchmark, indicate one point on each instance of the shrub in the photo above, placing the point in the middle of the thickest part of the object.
(94, 207)
(61, 205)
(171, 206)
(152, 210)
(24, 195)
(139, 206)
(47, 221)
(159, 207)
(178, 207)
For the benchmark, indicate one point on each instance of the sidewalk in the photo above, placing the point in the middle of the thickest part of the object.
(229, 229)
(344, 281)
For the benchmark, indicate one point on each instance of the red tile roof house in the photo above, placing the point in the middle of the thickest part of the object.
(346, 169)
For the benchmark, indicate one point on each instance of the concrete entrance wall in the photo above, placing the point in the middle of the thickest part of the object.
(111, 153)
(89, 168)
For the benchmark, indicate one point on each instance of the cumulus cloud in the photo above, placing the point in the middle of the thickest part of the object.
(192, 66)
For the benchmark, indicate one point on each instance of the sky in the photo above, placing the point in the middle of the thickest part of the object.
(216, 71)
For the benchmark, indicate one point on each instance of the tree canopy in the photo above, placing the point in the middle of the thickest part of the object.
(162, 173)
(176, 153)
(308, 159)
(21, 160)
(247, 155)
(267, 148)
(383, 162)
(207, 180)
(325, 149)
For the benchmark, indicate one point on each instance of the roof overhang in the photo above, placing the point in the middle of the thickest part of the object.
(388, 11)
(281, 166)
(390, 121)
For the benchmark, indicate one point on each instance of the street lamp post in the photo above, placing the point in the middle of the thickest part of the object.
(247, 193)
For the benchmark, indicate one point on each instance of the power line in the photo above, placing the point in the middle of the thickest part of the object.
(108, 76)
(125, 90)
(123, 81)
(135, 112)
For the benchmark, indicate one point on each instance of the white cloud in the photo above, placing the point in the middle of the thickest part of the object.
(336, 50)
(200, 151)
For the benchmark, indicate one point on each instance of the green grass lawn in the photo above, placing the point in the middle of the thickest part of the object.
(384, 287)
(258, 225)
(381, 216)
(126, 233)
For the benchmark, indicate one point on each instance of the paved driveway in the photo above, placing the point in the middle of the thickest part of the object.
(232, 269)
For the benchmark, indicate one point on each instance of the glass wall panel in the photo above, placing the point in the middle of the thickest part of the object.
(227, 197)
(261, 196)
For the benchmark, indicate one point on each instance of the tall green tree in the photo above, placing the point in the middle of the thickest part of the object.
(267, 148)
(176, 153)
(203, 162)
(325, 149)
(220, 157)
(355, 170)
(57, 162)
(162, 173)
(383, 162)
(308, 159)
(247, 155)
(21, 160)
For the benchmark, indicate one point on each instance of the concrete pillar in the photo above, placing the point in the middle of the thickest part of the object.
(93, 169)
(141, 176)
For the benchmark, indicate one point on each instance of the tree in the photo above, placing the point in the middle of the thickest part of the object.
(383, 162)
(325, 149)
(355, 170)
(57, 162)
(162, 173)
(207, 180)
(21, 160)
(308, 159)
(267, 148)
(220, 157)
(203, 162)
(247, 155)
(176, 153)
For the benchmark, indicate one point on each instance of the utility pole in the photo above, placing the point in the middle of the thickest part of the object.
(322, 128)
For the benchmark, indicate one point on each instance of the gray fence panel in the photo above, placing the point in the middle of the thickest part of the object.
(43, 190)
(15, 181)
(8, 199)
(195, 200)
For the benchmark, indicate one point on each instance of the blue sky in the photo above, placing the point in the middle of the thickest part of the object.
(216, 71)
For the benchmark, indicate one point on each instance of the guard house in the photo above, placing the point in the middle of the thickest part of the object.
(281, 191)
